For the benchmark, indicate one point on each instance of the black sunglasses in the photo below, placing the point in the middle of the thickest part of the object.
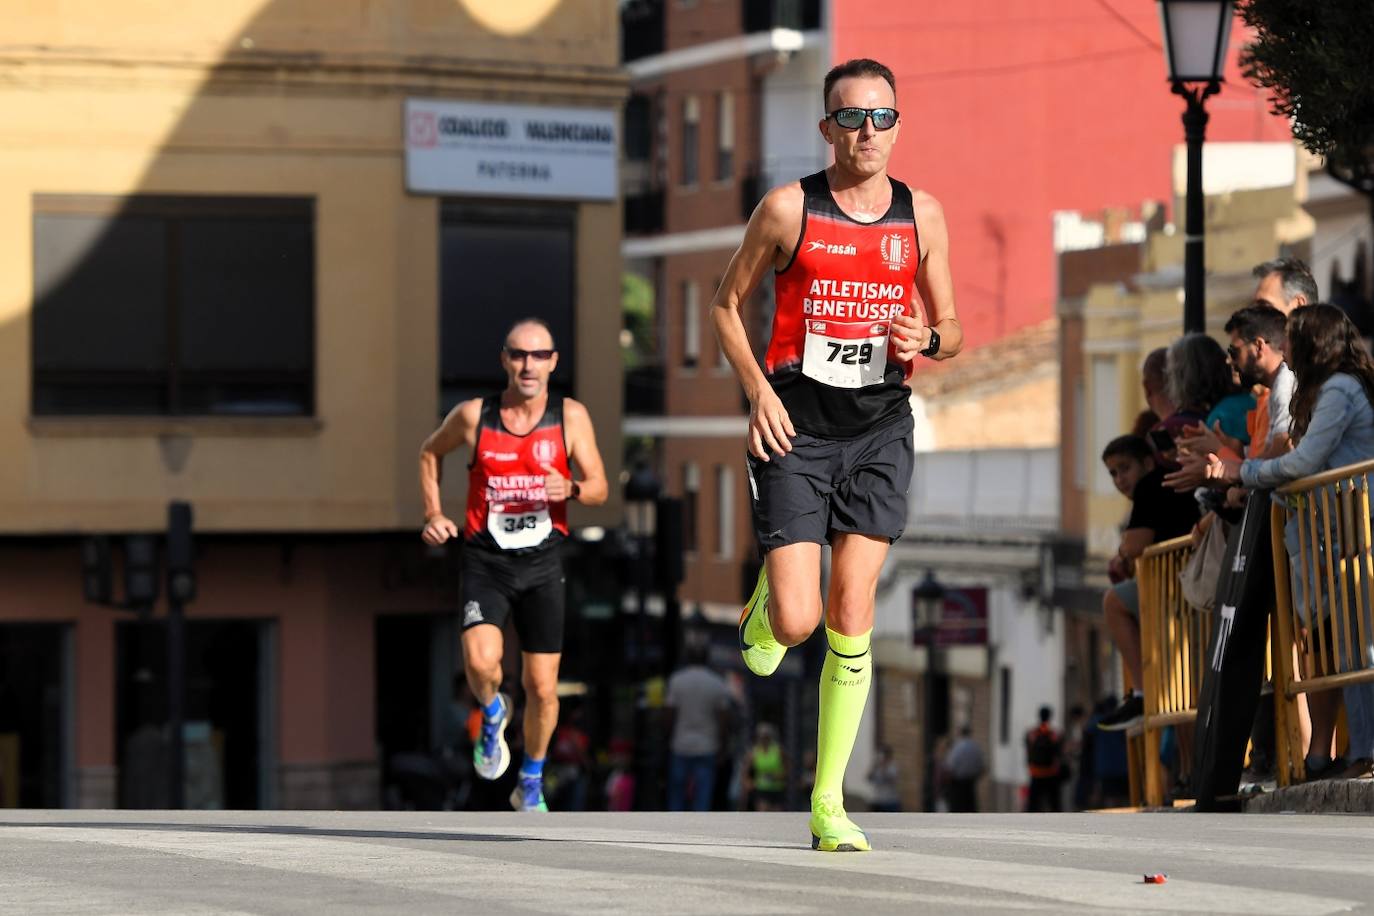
(537, 355)
(853, 118)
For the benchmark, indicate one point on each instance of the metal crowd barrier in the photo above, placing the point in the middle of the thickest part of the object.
(1323, 597)
(1173, 644)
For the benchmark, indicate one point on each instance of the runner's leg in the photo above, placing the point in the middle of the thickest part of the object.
(794, 582)
(483, 646)
(541, 701)
(856, 560)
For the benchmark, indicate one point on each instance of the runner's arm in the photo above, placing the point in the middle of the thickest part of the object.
(934, 283)
(455, 432)
(769, 425)
(592, 488)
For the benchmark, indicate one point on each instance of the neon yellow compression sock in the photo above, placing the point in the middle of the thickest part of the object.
(845, 679)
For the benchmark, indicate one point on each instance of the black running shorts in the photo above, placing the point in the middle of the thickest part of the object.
(495, 586)
(826, 486)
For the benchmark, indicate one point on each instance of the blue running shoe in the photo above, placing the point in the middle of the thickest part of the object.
(529, 794)
(491, 755)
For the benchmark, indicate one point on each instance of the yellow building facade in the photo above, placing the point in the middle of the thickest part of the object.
(223, 280)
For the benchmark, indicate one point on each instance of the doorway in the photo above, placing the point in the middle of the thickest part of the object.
(229, 724)
(35, 714)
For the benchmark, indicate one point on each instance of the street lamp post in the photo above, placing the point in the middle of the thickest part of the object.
(927, 606)
(641, 520)
(1196, 33)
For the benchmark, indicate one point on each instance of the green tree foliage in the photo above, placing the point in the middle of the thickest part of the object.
(637, 309)
(1316, 57)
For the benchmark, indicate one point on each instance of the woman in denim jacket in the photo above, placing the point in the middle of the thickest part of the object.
(1333, 426)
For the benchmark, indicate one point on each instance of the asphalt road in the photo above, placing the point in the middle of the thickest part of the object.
(383, 862)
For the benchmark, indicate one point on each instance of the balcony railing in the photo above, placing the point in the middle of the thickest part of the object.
(644, 391)
(644, 212)
(765, 15)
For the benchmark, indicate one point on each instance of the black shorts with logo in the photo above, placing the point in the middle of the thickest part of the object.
(530, 585)
(822, 486)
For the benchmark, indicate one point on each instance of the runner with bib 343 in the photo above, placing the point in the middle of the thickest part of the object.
(862, 286)
(523, 444)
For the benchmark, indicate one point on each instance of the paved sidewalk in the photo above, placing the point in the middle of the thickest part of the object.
(378, 862)
(1329, 796)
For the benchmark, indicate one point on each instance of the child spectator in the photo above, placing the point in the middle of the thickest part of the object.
(1157, 514)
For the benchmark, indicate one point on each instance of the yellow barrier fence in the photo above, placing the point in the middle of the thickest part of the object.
(1324, 601)
(1173, 643)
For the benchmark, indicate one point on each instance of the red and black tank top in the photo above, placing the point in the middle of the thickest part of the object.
(508, 509)
(830, 357)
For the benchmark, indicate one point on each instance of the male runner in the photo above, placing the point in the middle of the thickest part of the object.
(523, 444)
(830, 450)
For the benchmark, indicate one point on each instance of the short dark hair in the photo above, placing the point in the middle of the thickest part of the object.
(1295, 275)
(1046, 713)
(858, 66)
(1131, 446)
(1259, 320)
(531, 320)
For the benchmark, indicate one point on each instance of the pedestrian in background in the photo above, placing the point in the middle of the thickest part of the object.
(964, 766)
(698, 704)
(1044, 760)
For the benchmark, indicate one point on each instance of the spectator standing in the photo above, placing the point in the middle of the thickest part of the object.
(1044, 757)
(1285, 284)
(1200, 383)
(766, 770)
(964, 766)
(698, 702)
(1333, 426)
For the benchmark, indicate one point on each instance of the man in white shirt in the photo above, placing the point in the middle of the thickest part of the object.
(699, 703)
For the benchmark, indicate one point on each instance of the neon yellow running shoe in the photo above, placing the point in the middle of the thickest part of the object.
(762, 653)
(832, 830)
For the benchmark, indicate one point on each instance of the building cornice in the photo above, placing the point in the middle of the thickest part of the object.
(773, 41)
(658, 246)
(374, 72)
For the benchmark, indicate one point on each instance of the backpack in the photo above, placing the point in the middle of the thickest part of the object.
(1044, 748)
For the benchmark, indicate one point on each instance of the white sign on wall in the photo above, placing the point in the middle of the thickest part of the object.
(510, 150)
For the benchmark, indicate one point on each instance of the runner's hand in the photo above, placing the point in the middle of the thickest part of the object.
(769, 426)
(438, 529)
(556, 487)
(909, 337)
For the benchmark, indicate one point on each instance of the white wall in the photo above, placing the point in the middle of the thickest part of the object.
(1036, 660)
(792, 106)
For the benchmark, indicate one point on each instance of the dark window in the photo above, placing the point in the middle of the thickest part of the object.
(500, 263)
(691, 490)
(691, 139)
(173, 305)
(725, 135)
(1004, 706)
(639, 128)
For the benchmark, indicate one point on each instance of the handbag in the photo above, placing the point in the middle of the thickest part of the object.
(1199, 577)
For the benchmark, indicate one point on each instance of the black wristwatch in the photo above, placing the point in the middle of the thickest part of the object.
(934, 346)
(576, 490)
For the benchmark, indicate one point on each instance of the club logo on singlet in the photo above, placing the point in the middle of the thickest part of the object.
(545, 451)
(896, 251)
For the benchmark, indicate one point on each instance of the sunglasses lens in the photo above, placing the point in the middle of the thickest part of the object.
(850, 118)
(884, 118)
